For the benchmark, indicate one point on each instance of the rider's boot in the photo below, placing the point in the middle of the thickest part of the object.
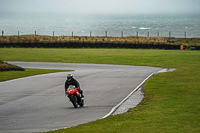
(82, 93)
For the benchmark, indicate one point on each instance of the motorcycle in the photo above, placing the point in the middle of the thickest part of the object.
(74, 96)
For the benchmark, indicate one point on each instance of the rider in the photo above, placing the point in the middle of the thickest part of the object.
(71, 81)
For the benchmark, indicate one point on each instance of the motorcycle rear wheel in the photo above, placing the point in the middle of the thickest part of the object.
(74, 101)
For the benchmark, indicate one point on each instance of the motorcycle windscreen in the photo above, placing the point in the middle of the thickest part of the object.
(71, 87)
(71, 90)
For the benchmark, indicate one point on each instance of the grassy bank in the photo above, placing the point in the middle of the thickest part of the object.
(9, 67)
(9, 75)
(97, 39)
(171, 102)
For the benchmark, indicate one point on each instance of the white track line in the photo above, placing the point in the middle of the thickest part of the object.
(117, 106)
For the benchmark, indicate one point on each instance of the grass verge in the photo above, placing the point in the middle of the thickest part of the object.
(171, 102)
(9, 75)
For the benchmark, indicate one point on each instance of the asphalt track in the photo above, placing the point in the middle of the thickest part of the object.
(38, 103)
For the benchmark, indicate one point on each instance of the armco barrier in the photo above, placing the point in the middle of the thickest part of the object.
(172, 47)
(166, 46)
(104, 45)
(138, 46)
(52, 45)
(149, 46)
(2, 45)
(26, 45)
(68, 45)
(127, 45)
(62, 45)
(115, 45)
(38, 45)
(132, 46)
(155, 46)
(86, 45)
(32, 45)
(44, 45)
(161, 46)
(74, 44)
(109, 45)
(20, 45)
(177, 47)
(144, 46)
(95, 45)
(14, 45)
(92, 45)
(80, 45)
(98, 45)
(57, 45)
(121, 45)
(8, 45)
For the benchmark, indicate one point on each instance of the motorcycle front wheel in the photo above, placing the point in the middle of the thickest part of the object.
(82, 103)
(74, 101)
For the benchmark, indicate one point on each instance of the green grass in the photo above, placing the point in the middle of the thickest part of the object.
(171, 102)
(9, 75)
(160, 58)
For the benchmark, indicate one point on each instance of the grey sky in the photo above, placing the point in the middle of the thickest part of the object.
(101, 6)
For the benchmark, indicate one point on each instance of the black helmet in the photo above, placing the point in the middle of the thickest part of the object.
(69, 77)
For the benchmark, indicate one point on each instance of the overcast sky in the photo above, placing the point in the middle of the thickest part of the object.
(101, 6)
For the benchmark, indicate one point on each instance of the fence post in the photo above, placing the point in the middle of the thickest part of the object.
(2, 33)
(72, 34)
(137, 34)
(18, 33)
(53, 33)
(106, 33)
(90, 33)
(122, 34)
(158, 34)
(35, 33)
(148, 34)
(169, 34)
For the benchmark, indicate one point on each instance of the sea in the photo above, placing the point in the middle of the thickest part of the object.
(115, 25)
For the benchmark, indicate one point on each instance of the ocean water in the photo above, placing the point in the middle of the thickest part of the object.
(97, 25)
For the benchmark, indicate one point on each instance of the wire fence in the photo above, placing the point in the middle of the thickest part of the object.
(108, 34)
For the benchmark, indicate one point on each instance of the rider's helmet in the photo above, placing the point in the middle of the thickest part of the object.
(69, 77)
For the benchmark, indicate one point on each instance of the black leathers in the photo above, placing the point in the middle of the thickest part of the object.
(72, 82)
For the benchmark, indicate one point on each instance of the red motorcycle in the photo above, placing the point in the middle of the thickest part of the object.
(75, 97)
